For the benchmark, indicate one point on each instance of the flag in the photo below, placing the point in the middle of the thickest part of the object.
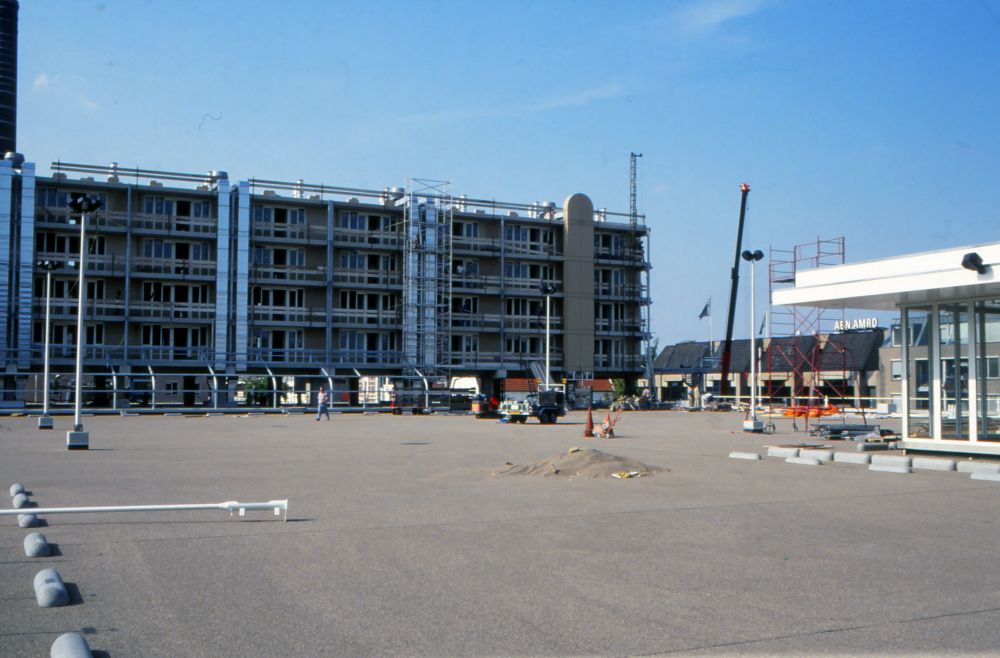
(707, 311)
(763, 323)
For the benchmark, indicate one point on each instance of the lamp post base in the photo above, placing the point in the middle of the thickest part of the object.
(755, 426)
(78, 440)
(45, 423)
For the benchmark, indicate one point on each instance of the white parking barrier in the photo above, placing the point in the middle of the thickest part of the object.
(232, 506)
(70, 645)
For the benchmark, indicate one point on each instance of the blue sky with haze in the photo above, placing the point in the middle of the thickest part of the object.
(877, 121)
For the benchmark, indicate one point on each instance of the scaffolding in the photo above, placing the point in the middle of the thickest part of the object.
(637, 356)
(427, 278)
(804, 346)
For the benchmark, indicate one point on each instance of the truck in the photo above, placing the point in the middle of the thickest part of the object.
(546, 406)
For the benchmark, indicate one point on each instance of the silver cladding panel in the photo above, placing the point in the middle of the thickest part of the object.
(27, 265)
(6, 182)
(241, 227)
(221, 273)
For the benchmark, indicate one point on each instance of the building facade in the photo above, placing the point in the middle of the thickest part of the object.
(194, 281)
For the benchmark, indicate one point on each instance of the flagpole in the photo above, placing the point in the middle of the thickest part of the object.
(711, 345)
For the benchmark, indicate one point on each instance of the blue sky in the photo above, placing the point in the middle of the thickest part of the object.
(876, 121)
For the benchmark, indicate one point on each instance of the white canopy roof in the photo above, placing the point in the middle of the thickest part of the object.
(883, 285)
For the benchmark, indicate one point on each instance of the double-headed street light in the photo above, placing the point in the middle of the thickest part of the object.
(77, 439)
(45, 422)
(752, 424)
(548, 289)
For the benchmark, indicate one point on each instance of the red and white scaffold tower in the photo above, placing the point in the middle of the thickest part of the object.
(804, 347)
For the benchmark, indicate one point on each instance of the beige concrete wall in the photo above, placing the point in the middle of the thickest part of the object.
(578, 283)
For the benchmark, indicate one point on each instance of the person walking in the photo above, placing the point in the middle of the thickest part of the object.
(323, 400)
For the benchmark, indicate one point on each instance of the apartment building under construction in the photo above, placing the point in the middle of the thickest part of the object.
(193, 281)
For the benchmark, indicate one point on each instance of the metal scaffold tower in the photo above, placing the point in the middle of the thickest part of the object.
(637, 309)
(803, 341)
(427, 278)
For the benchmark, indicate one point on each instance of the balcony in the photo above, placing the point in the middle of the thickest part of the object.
(367, 278)
(260, 273)
(362, 318)
(171, 311)
(284, 315)
(361, 238)
(108, 266)
(66, 307)
(270, 356)
(531, 323)
(473, 359)
(173, 267)
(103, 354)
(485, 246)
(288, 233)
(170, 224)
(514, 248)
(477, 321)
(607, 326)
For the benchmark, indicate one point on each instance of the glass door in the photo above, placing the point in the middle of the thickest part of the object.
(987, 370)
(954, 381)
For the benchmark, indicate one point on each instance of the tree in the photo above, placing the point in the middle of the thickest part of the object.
(619, 387)
(255, 390)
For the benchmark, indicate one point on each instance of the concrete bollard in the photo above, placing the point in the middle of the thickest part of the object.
(852, 458)
(70, 645)
(869, 447)
(20, 501)
(929, 464)
(744, 455)
(804, 461)
(891, 460)
(978, 467)
(822, 455)
(27, 521)
(50, 592)
(36, 546)
(889, 468)
(782, 452)
(16, 489)
(989, 477)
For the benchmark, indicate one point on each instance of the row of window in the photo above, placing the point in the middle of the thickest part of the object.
(158, 205)
(268, 214)
(280, 257)
(355, 260)
(58, 243)
(155, 248)
(948, 368)
(295, 298)
(361, 222)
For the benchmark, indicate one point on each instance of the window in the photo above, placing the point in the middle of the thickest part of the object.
(896, 366)
(517, 306)
(200, 251)
(53, 198)
(94, 334)
(465, 229)
(95, 246)
(261, 256)
(157, 249)
(191, 208)
(95, 289)
(173, 388)
(158, 205)
(992, 366)
(350, 220)
(465, 343)
(352, 260)
(517, 270)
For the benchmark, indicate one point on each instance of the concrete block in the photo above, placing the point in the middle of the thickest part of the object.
(930, 464)
(892, 460)
(20, 501)
(782, 452)
(978, 467)
(45, 423)
(16, 489)
(852, 458)
(36, 546)
(27, 521)
(804, 461)
(744, 455)
(872, 447)
(990, 477)
(70, 645)
(822, 455)
(78, 440)
(50, 592)
(888, 468)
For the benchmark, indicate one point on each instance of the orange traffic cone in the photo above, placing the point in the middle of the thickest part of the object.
(589, 430)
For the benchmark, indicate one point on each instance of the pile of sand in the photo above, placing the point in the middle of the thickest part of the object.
(584, 463)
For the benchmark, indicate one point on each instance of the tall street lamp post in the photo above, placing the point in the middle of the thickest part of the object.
(77, 438)
(45, 422)
(751, 424)
(548, 290)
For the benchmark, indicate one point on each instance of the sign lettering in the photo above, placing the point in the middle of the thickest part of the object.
(851, 325)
